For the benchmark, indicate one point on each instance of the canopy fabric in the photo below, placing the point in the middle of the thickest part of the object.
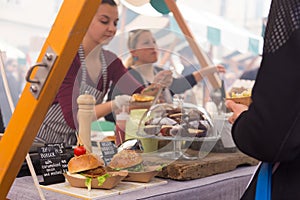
(205, 26)
(11, 51)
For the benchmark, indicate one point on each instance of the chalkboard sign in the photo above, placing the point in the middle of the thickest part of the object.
(108, 150)
(64, 157)
(53, 163)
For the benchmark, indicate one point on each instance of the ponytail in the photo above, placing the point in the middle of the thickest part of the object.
(129, 61)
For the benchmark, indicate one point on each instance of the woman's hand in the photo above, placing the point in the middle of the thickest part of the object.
(236, 108)
(151, 90)
(164, 78)
(120, 101)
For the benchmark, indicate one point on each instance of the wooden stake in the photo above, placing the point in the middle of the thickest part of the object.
(200, 55)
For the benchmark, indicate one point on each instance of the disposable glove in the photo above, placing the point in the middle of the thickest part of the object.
(163, 78)
(121, 100)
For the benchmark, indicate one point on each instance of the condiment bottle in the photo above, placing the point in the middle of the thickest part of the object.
(86, 114)
(121, 119)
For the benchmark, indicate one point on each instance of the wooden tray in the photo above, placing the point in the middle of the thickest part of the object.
(213, 163)
(114, 179)
(143, 177)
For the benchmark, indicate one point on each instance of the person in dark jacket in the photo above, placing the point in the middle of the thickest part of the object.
(269, 130)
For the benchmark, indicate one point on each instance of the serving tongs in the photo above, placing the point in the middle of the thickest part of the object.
(147, 112)
(218, 96)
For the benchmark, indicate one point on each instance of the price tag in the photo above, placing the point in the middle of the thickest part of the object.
(53, 163)
(108, 150)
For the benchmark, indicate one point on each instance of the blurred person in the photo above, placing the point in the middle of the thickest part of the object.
(22, 74)
(2, 126)
(249, 74)
(92, 70)
(141, 64)
(188, 61)
(268, 129)
(11, 89)
(12, 75)
(191, 65)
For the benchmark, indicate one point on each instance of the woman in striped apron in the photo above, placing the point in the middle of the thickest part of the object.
(60, 122)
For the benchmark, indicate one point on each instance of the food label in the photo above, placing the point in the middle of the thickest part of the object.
(108, 150)
(53, 163)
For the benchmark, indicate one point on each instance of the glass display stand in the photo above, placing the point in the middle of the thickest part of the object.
(178, 146)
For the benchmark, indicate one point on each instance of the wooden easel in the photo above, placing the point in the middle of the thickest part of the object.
(64, 38)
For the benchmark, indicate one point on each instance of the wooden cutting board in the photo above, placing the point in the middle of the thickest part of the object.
(213, 163)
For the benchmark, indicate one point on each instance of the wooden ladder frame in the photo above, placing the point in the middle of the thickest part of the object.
(64, 39)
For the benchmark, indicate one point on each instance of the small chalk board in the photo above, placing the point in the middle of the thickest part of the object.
(53, 162)
(108, 150)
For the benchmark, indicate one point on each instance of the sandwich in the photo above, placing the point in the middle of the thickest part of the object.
(133, 163)
(88, 166)
(128, 160)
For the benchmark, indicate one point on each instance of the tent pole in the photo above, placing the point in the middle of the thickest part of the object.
(200, 55)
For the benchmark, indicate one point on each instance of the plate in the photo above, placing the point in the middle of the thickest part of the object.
(77, 180)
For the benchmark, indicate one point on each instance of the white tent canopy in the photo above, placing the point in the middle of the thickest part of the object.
(204, 26)
(11, 51)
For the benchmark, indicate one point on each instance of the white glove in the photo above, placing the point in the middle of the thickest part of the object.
(121, 100)
(163, 78)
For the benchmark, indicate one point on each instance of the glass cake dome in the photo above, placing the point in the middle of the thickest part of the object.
(182, 127)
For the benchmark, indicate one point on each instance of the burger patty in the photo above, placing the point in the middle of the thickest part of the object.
(99, 171)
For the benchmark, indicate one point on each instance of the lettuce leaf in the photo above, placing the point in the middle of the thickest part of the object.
(136, 168)
(88, 183)
(101, 179)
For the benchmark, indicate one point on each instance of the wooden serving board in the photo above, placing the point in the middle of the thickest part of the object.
(213, 163)
(82, 193)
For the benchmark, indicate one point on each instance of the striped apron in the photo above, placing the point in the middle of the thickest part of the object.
(55, 129)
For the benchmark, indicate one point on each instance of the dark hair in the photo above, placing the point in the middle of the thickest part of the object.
(110, 2)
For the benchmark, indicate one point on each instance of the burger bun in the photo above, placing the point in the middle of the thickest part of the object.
(84, 162)
(125, 159)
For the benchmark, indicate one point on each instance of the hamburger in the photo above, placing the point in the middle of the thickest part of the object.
(88, 166)
(133, 163)
(128, 160)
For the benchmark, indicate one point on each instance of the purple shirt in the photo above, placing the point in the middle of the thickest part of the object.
(69, 90)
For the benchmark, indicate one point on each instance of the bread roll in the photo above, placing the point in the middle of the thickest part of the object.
(84, 162)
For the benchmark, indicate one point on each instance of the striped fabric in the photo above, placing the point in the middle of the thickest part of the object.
(54, 128)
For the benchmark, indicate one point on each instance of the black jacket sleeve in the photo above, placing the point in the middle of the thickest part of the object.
(270, 129)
